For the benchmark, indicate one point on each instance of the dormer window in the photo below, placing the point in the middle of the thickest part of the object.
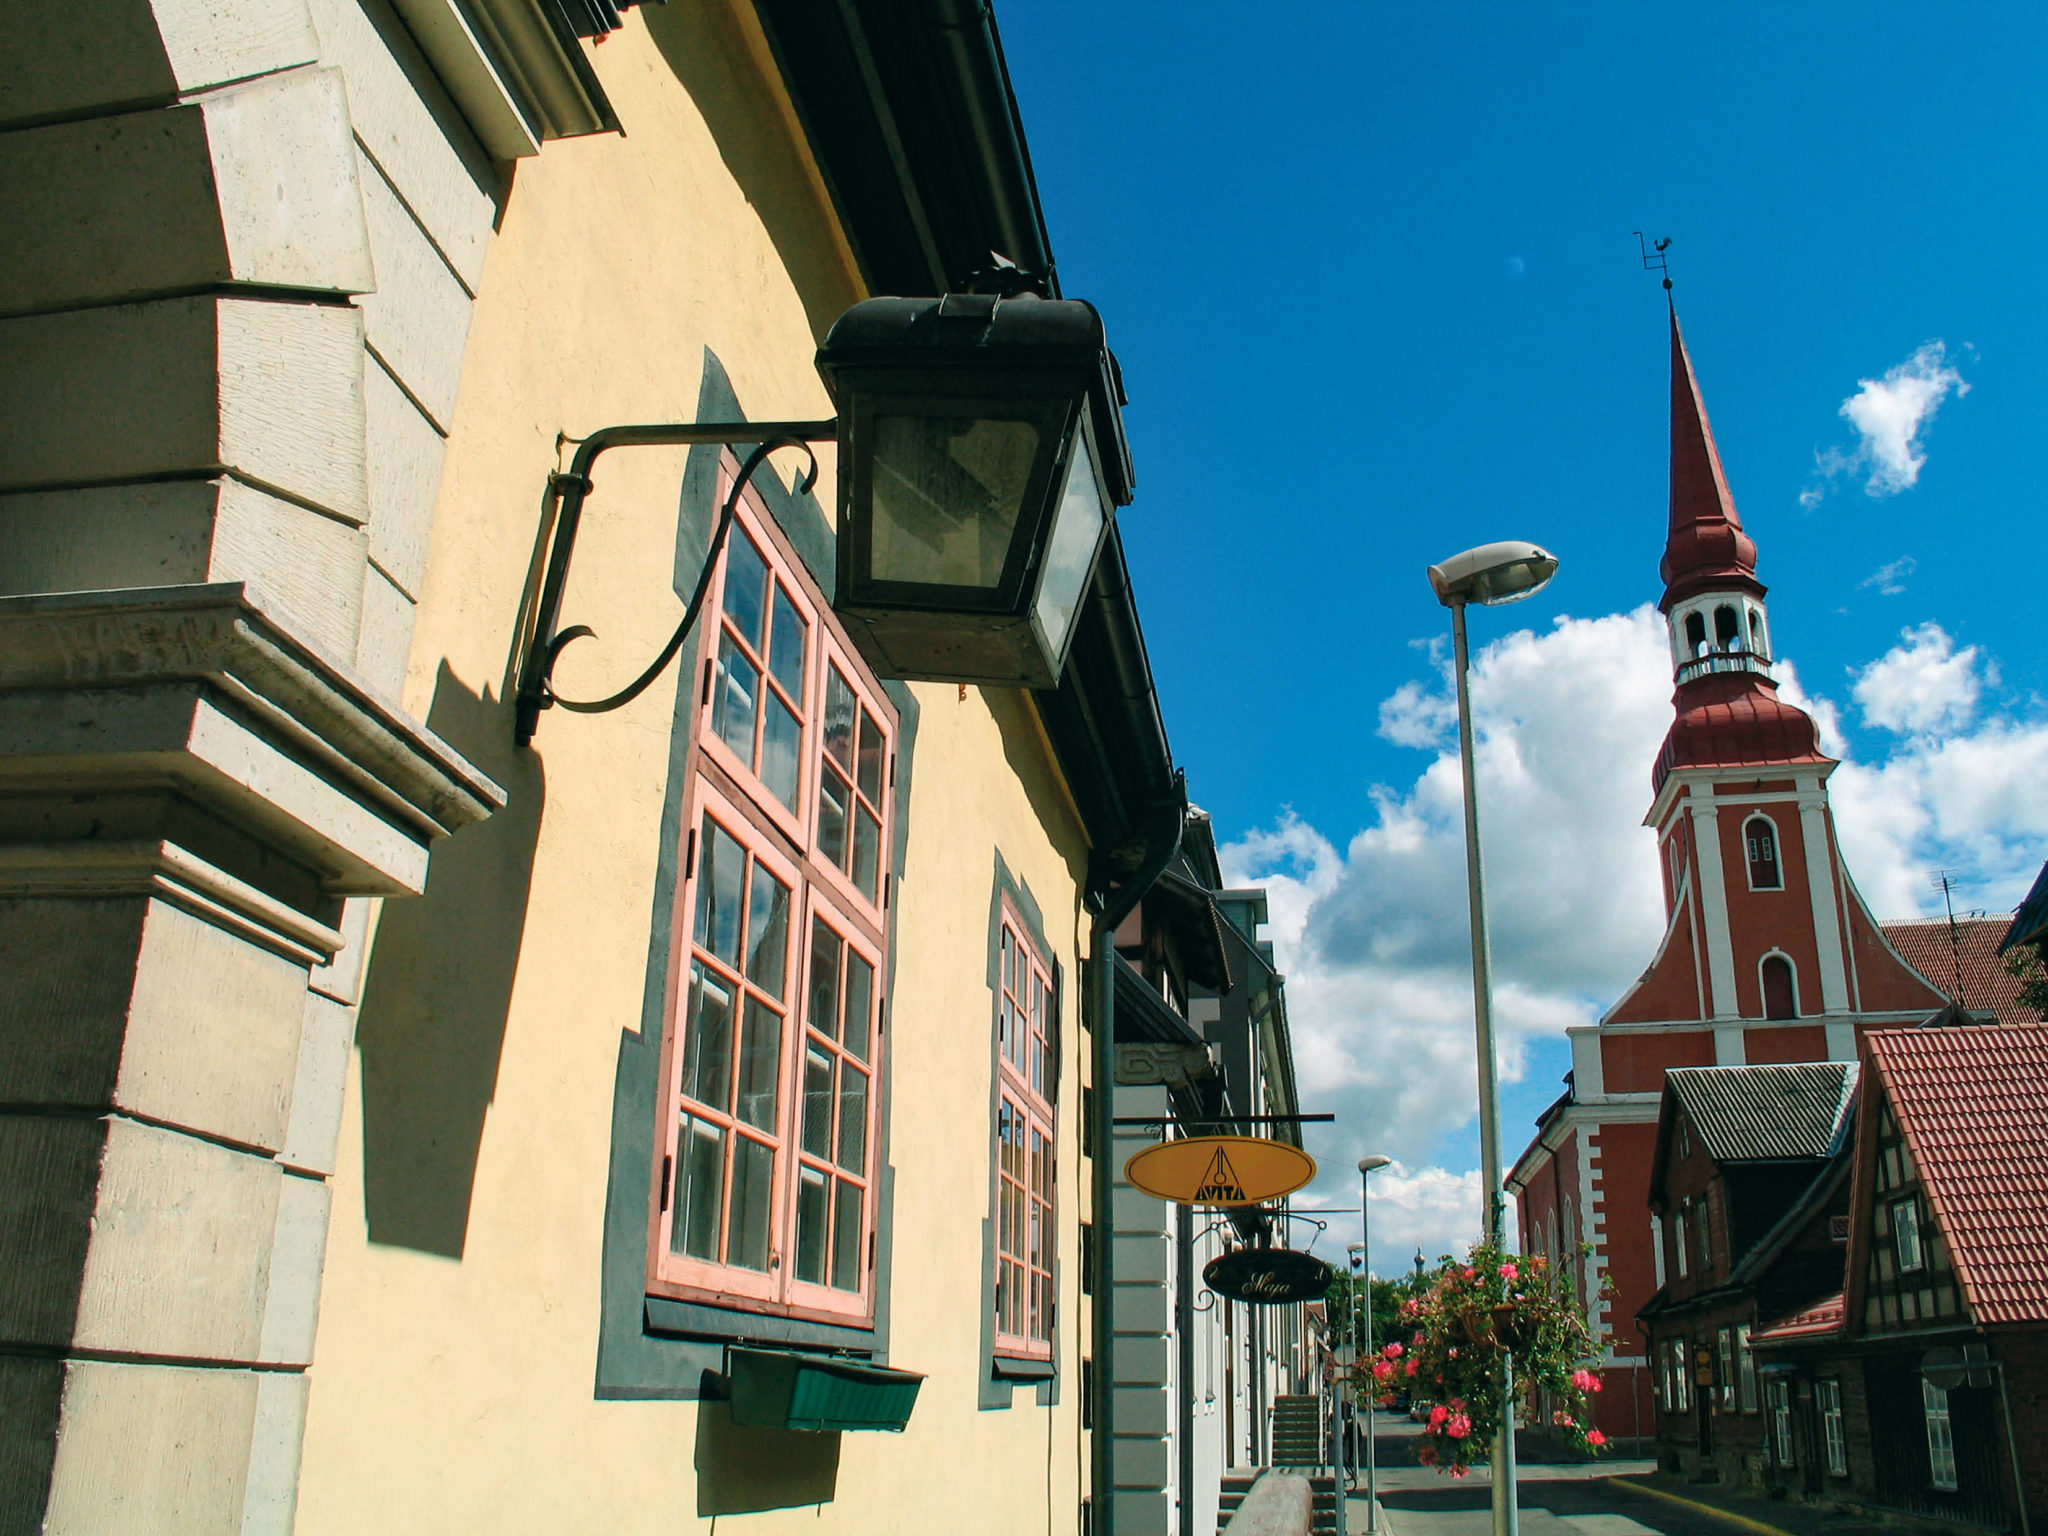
(1760, 843)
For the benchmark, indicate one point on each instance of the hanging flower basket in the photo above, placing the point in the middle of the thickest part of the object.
(1474, 1318)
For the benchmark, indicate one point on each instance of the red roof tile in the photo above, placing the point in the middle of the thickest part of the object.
(1824, 1317)
(1972, 1103)
(1924, 945)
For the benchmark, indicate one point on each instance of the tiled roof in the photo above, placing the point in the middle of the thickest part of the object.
(1924, 944)
(1818, 1321)
(1972, 1104)
(1749, 1114)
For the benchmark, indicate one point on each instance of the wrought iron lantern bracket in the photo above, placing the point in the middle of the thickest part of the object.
(567, 491)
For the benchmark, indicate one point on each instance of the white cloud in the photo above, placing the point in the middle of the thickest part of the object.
(1924, 684)
(1373, 935)
(1890, 578)
(1888, 415)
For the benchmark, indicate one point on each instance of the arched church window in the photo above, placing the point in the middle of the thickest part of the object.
(1695, 634)
(1781, 994)
(1727, 629)
(1757, 643)
(1760, 843)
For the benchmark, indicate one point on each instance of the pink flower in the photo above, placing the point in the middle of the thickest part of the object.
(1471, 1274)
(1458, 1426)
(1437, 1415)
(1585, 1381)
(1411, 1367)
(1383, 1370)
(1510, 1272)
(1392, 1351)
(1460, 1471)
(1595, 1438)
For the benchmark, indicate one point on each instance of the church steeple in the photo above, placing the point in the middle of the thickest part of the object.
(1728, 710)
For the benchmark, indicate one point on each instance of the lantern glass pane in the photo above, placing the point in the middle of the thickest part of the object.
(947, 493)
(1069, 558)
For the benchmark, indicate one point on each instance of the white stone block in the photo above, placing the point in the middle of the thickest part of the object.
(405, 452)
(386, 644)
(315, 1131)
(417, 317)
(66, 60)
(147, 1449)
(272, 391)
(270, 1497)
(412, 130)
(212, 1038)
(171, 532)
(298, 1247)
(179, 1260)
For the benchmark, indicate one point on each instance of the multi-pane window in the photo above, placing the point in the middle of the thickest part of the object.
(1026, 1070)
(767, 1166)
(850, 783)
(1680, 1238)
(1726, 1341)
(1745, 1362)
(1828, 1393)
(1781, 1422)
(1906, 1234)
(1941, 1440)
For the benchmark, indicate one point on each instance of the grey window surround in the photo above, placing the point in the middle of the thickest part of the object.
(1001, 1374)
(654, 1347)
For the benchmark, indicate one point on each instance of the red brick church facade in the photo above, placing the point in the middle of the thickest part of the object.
(1769, 954)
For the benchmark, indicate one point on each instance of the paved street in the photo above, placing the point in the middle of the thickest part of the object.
(1556, 1500)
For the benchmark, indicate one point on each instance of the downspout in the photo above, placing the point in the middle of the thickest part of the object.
(1162, 842)
(1184, 1330)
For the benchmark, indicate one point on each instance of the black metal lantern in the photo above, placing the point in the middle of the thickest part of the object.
(982, 456)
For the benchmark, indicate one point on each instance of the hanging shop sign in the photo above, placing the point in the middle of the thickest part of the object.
(1268, 1277)
(1220, 1170)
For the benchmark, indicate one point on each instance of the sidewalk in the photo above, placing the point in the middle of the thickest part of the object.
(1759, 1516)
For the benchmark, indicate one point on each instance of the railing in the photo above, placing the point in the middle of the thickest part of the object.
(1724, 661)
(1280, 1504)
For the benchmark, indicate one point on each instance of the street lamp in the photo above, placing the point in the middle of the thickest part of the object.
(983, 462)
(1367, 1167)
(981, 459)
(1490, 575)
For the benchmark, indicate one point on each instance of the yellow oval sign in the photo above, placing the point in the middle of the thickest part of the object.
(1220, 1170)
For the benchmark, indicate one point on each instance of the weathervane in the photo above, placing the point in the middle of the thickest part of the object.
(1656, 260)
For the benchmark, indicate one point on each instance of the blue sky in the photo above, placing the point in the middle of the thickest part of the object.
(1371, 276)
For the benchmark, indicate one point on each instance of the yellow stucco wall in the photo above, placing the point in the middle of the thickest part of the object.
(453, 1391)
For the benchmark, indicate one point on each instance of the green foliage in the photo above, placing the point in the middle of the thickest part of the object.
(1452, 1345)
(2023, 962)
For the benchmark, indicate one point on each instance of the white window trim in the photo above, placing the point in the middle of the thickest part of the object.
(1763, 996)
(1828, 1392)
(1909, 1208)
(1777, 851)
(1941, 1440)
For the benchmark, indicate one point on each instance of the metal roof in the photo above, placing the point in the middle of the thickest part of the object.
(1972, 1105)
(1767, 1113)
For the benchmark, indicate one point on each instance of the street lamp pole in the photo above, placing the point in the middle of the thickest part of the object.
(1367, 1166)
(1491, 574)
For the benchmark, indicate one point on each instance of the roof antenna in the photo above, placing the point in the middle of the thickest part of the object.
(1656, 260)
(1944, 881)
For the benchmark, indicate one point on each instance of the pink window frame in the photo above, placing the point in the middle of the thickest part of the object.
(727, 790)
(1038, 1188)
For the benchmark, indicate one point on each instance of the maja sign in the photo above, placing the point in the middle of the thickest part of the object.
(1220, 1170)
(1268, 1277)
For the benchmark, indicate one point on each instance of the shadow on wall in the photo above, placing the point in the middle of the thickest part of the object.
(709, 58)
(432, 1026)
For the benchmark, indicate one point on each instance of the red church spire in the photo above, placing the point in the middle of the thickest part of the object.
(1728, 710)
(1706, 546)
